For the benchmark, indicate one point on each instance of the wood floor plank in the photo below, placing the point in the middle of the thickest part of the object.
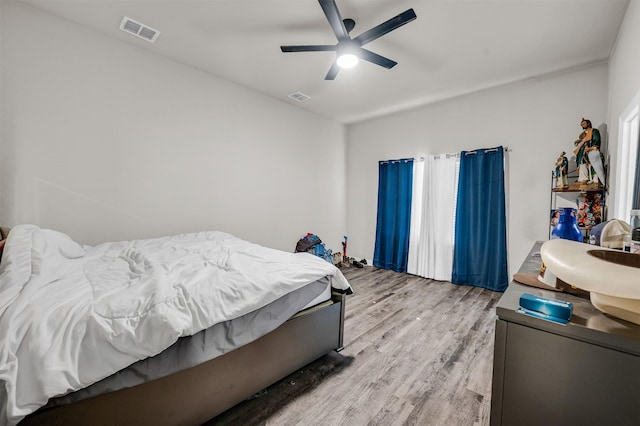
(417, 352)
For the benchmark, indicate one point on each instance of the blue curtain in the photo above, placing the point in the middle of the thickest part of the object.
(480, 249)
(395, 181)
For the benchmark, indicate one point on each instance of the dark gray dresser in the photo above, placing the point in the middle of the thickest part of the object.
(584, 373)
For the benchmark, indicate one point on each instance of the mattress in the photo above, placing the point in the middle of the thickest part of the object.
(322, 297)
(208, 344)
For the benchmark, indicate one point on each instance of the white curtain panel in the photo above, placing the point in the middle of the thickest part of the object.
(432, 255)
(416, 216)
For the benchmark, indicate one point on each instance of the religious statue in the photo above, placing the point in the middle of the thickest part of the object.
(588, 157)
(562, 167)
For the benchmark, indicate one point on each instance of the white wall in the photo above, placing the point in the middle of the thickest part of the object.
(3, 163)
(537, 119)
(107, 141)
(624, 82)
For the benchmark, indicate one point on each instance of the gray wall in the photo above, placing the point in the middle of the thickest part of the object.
(537, 119)
(108, 141)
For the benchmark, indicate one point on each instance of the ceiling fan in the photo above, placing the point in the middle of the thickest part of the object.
(348, 49)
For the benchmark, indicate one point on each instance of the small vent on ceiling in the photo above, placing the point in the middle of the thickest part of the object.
(139, 30)
(299, 96)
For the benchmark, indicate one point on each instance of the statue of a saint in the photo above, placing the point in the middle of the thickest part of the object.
(562, 167)
(588, 158)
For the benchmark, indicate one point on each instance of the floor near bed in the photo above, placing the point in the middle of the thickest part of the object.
(417, 351)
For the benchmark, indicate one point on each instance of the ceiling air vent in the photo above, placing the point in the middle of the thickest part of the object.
(299, 96)
(139, 30)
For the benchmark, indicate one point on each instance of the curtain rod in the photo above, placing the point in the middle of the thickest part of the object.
(448, 155)
(395, 161)
(505, 149)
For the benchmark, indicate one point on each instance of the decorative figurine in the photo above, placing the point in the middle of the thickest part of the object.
(588, 157)
(345, 259)
(562, 167)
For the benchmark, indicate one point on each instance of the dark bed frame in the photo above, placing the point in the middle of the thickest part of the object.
(197, 394)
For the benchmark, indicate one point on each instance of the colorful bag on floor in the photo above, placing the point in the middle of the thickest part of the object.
(311, 243)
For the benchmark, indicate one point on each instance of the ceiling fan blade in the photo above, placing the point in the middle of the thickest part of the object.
(316, 48)
(387, 26)
(335, 20)
(374, 58)
(333, 72)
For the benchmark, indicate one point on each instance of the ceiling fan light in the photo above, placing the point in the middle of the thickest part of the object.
(347, 60)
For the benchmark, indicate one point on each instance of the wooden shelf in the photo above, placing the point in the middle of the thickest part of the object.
(581, 187)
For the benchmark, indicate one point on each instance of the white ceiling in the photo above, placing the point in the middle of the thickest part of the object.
(452, 48)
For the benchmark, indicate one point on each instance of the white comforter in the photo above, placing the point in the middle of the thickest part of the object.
(71, 315)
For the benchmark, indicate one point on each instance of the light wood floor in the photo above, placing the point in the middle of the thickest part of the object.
(417, 352)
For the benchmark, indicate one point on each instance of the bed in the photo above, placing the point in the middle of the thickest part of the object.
(172, 330)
